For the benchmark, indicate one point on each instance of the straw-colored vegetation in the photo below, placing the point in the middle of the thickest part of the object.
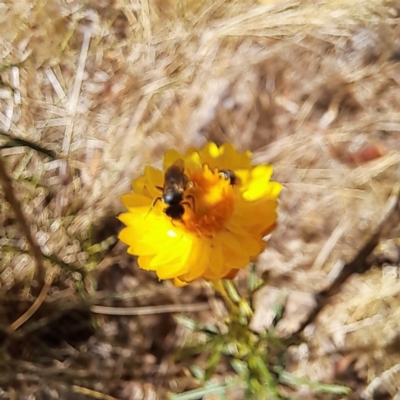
(91, 91)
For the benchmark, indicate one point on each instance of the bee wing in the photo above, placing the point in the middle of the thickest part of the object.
(179, 163)
(174, 175)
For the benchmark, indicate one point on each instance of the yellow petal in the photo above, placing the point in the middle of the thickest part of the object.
(215, 269)
(171, 271)
(176, 267)
(193, 162)
(170, 157)
(133, 237)
(142, 218)
(240, 242)
(165, 231)
(154, 176)
(234, 261)
(141, 186)
(210, 150)
(178, 283)
(176, 248)
(259, 183)
(133, 200)
(141, 249)
(263, 172)
(144, 263)
(128, 235)
(198, 259)
(231, 159)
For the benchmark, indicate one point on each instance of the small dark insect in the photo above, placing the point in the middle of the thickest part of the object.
(228, 174)
(175, 184)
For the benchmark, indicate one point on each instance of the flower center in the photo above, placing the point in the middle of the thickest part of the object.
(211, 202)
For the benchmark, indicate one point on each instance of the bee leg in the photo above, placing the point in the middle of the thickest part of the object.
(180, 220)
(155, 201)
(161, 189)
(190, 204)
(153, 204)
(193, 204)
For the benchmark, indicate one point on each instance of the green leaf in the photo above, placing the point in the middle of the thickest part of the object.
(212, 362)
(211, 329)
(254, 282)
(279, 307)
(217, 389)
(232, 291)
(197, 372)
(286, 377)
(240, 367)
(187, 322)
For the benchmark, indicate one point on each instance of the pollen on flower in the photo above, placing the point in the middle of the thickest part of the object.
(213, 203)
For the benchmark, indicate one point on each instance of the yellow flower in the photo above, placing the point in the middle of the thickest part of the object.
(229, 206)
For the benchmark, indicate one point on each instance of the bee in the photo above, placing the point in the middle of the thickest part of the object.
(173, 191)
(228, 174)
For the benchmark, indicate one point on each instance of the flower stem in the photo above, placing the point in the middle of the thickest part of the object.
(230, 303)
(239, 309)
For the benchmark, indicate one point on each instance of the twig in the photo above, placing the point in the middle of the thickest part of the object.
(73, 101)
(387, 376)
(329, 245)
(15, 205)
(362, 262)
(17, 142)
(92, 393)
(34, 307)
(169, 308)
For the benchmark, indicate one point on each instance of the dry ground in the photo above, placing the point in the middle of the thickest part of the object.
(107, 86)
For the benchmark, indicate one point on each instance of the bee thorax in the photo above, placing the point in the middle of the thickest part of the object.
(172, 197)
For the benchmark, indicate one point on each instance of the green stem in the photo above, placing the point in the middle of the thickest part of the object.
(239, 308)
(219, 287)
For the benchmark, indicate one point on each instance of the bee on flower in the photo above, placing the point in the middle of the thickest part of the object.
(175, 184)
(204, 216)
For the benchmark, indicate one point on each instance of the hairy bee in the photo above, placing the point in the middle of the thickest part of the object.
(173, 191)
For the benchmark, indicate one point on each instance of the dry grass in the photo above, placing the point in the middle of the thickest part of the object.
(108, 86)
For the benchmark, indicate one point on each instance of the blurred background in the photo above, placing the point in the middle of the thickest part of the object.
(92, 91)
